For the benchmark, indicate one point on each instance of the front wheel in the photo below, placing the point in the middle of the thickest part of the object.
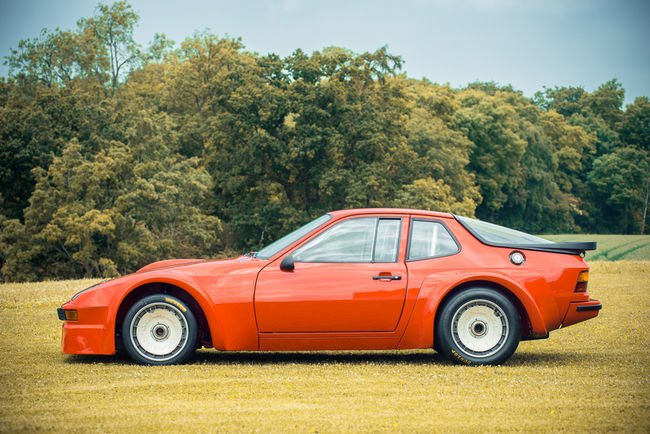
(159, 330)
(478, 326)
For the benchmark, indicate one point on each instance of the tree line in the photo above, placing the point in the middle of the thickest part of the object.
(113, 155)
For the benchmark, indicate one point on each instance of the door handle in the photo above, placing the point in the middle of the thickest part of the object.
(387, 277)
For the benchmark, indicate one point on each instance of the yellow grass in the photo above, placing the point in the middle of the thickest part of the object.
(591, 376)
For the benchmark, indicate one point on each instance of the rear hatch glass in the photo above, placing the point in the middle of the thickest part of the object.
(499, 236)
(495, 234)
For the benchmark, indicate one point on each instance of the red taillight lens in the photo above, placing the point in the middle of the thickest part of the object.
(583, 279)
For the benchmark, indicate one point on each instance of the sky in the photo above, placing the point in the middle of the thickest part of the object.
(528, 44)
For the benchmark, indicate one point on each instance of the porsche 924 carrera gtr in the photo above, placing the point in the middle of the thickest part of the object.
(363, 279)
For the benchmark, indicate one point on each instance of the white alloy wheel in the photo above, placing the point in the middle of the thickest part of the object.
(480, 328)
(159, 331)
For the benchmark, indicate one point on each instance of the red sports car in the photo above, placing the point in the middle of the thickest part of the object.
(364, 279)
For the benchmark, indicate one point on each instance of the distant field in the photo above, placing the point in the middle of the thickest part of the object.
(589, 377)
(612, 247)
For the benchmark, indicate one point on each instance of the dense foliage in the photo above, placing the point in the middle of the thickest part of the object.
(113, 156)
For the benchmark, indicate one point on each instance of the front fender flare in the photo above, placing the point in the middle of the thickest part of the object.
(185, 284)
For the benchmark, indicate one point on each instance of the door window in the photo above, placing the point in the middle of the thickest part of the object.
(430, 239)
(366, 239)
(387, 243)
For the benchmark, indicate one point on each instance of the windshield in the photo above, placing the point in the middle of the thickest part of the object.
(291, 238)
(495, 234)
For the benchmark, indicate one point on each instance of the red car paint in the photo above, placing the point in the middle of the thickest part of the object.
(249, 303)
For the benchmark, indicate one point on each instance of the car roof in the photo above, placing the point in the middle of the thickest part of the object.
(361, 211)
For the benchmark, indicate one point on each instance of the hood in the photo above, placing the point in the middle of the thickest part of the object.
(169, 263)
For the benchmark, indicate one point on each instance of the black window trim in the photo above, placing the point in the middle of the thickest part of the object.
(444, 225)
(377, 218)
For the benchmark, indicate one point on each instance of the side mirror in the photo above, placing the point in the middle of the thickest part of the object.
(288, 263)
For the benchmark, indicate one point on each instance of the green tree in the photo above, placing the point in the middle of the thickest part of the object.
(160, 49)
(635, 127)
(567, 101)
(98, 214)
(497, 153)
(527, 161)
(433, 195)
(112, 29)
(600, 114)
(442, 153)
(35, 123)
(607, 102)
(621, 180)
(57, 58)
(101, 48)
(327, 135)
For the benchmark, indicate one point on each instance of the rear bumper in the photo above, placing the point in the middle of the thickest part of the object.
(581, 311)
(589, 307)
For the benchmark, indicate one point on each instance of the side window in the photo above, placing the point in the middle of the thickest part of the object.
(387, 242)
(348, 241)
(366, 239)
(429, 240)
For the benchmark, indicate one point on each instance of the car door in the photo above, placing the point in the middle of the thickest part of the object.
(349, 278)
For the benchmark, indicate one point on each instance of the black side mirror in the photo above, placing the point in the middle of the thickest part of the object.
(288, 263)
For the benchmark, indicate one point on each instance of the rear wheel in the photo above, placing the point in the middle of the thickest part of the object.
(159, 330)
(478, 326)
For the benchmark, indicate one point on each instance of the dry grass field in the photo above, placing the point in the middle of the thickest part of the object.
(592, 376)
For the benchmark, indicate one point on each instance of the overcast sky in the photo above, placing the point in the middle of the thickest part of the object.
(529, 44)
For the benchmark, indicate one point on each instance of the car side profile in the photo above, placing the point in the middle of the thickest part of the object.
(362, 279)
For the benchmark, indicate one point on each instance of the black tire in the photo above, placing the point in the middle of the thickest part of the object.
(159, 330)
(478, 326)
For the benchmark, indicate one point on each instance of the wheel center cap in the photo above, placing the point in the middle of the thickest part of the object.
(160, 332)
(478, 328)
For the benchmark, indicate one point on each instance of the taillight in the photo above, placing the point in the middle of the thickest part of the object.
(583, 278)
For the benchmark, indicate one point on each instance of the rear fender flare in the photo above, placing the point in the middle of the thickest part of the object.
(433, 291)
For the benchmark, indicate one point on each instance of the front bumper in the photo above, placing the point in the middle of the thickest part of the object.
(581, 311)
(85, 339)
(90, 335)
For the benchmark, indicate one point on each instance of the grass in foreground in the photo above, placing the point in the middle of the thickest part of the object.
(612, 247)
(591, 376)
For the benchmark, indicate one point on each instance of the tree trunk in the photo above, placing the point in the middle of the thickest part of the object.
(645, 209)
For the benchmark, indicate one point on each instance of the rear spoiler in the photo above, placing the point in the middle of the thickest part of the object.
(569, 248)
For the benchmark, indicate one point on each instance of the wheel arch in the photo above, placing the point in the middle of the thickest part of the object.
(526, 324)
(188, 295)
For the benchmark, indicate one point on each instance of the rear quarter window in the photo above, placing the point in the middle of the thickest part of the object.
(430, 239)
